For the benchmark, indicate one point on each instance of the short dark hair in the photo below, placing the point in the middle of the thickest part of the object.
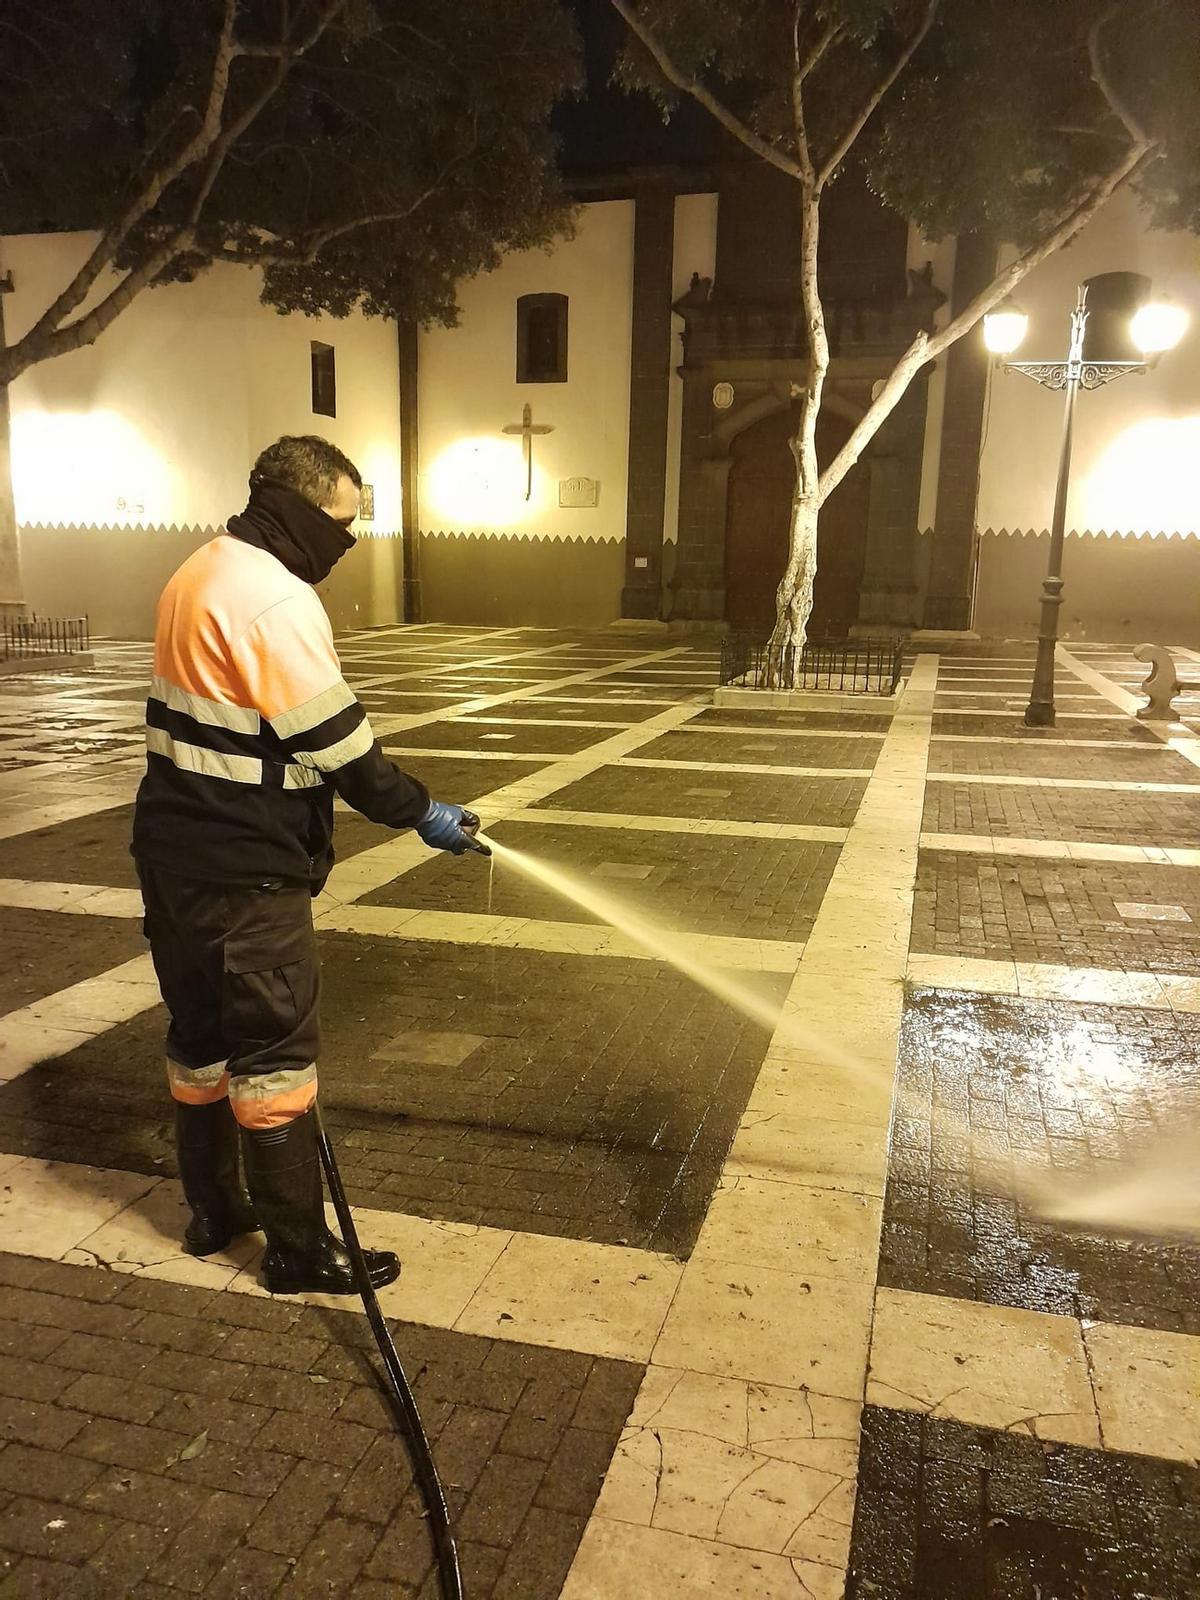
(308, 464)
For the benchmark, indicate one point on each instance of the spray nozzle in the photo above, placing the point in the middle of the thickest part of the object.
(470, 826)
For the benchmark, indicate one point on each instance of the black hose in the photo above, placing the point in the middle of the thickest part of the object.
(399, 1394)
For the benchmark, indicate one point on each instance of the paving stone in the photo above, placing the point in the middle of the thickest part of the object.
(302, 1501)
(500, 1499)
(622, 1068)
(968, 1514)
(33, 1526)
(1101, 816)
(1021, 908)
(990, 1087)
(753, 888)
(55, 1475)
(818, 802)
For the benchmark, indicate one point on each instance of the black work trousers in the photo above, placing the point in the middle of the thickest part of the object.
(238, 970)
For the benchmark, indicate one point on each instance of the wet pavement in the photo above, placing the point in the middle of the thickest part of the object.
(693, 1309)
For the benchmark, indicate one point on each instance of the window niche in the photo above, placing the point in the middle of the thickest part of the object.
(542, 338)
(324, 379)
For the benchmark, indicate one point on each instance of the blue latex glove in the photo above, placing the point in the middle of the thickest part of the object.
(442, 828)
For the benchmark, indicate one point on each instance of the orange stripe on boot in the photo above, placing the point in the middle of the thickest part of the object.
(268, 1100)
(197, 1086)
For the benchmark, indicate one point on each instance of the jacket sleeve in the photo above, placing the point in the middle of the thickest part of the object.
(293, 679)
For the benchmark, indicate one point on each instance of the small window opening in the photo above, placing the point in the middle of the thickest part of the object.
(324, 380)
(542, 338)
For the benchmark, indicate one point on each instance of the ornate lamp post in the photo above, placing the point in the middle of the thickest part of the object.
(1125, 321)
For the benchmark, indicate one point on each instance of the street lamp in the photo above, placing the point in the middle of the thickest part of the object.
(1115, 329)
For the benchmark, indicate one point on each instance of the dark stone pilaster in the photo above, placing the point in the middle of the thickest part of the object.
(888, 595)
(649, 394)
(698, 587)
(407, 343)
(948, 603)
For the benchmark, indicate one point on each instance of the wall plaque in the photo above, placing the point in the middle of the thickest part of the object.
(578, 494)
(722, 396)
(366, 503)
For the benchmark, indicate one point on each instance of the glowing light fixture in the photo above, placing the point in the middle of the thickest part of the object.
(1158, 325)
(480, 483)
(1004, 328)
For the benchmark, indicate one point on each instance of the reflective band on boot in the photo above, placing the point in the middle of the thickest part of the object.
(198, 1086)
(263, 1100)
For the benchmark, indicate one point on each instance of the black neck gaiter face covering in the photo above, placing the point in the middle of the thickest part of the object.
(306, 539)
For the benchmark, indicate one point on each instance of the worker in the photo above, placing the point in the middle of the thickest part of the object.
(251, 729)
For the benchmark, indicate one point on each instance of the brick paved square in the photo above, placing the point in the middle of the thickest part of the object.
(1052, 759)
(996, 1093)
(696, 883)
(819, 802)
(1063, 912)
(44, 951)
(967, 1514)
(94, 1508)
(757, 749)
(1008, 724)
(459, 779)
(1100, 816)
(600, 1105)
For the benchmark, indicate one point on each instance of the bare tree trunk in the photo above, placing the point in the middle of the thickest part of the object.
(794, 597)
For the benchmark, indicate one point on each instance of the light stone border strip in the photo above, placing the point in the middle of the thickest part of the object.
(644, 822)
(1104, 1386)
(987, 844)
(774, 1307)
(603, 1300)
(1010, 781)
(63, 1020)
(559, 938)
(1037, 980)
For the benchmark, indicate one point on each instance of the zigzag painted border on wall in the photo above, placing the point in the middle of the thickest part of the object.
(168, 530)
(515, 536)
(1090, 533)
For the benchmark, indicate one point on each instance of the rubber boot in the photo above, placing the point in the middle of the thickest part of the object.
(206, 1145)
(283, 1170)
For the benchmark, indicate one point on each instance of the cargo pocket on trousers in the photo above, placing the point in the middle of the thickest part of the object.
(270, 989)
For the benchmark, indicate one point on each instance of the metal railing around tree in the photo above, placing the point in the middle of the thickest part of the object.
(22, 637)
(856, 666)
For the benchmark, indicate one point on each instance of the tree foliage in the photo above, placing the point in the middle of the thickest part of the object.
(367, 154)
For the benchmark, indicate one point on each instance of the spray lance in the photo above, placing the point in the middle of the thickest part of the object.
(396, 1385)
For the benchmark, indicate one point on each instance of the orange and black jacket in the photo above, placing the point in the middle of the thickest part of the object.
(250, 725)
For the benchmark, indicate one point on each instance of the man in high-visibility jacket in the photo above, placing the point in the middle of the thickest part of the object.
(250, 731)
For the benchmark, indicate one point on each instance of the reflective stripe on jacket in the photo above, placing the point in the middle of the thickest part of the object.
(251, 727)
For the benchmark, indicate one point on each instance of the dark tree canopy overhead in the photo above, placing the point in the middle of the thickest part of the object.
(995, 122)
(367, 153)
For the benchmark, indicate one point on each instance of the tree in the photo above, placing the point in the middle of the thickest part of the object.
(363, 153)
(1021, 116)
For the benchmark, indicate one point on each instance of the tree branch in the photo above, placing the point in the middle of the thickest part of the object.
(690, 85)
(867, 110)
(801, 65)
(114, 237)
(48, 337)
(1073, 217)
(1099, 75)
(808, 59)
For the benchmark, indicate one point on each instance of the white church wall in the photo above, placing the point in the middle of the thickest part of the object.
(479, 554)
(155, 427)
(1132, 558)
